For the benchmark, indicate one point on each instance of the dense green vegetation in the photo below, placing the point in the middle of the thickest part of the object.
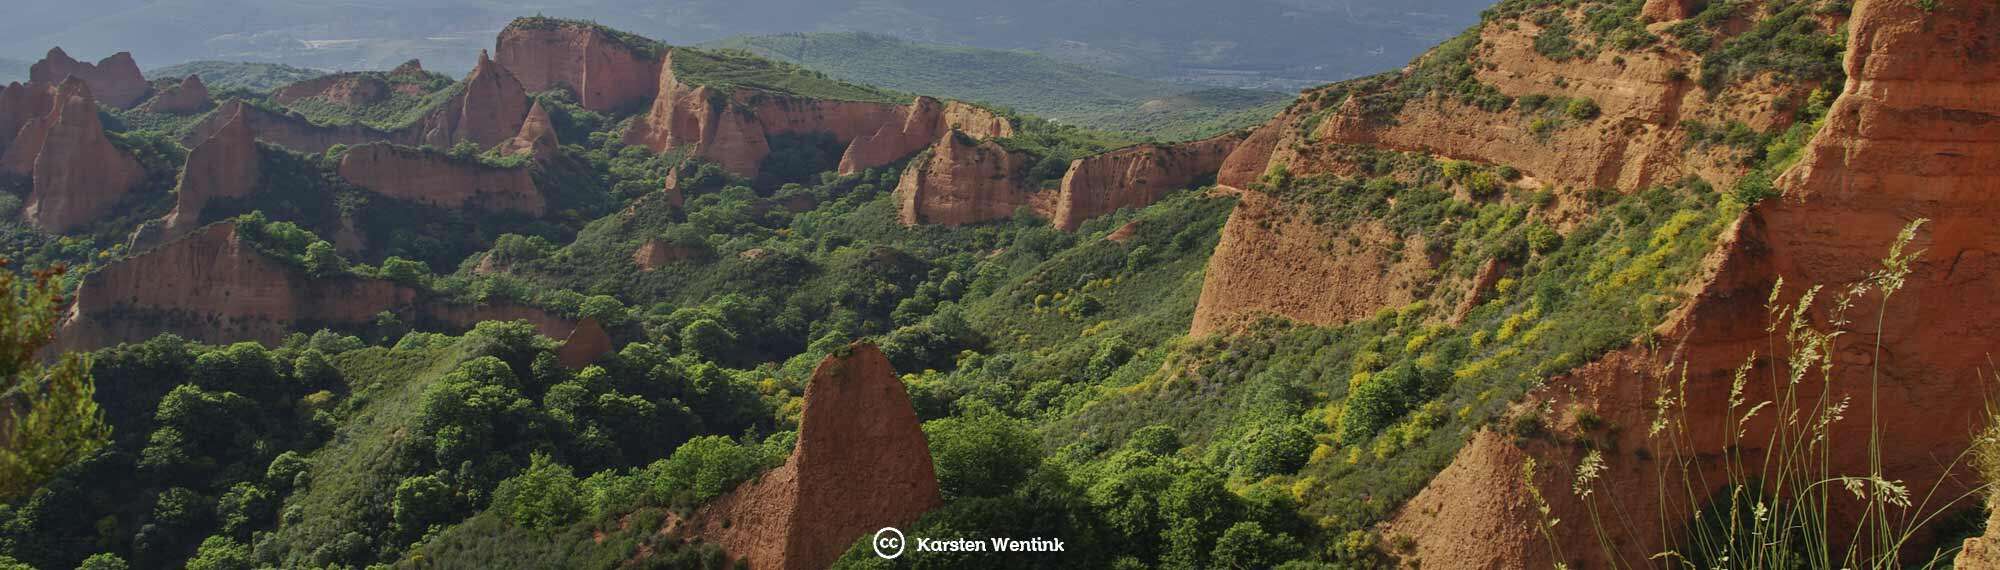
(258, 77)
(1024, 81)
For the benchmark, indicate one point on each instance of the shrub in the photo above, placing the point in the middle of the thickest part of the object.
(981, 455)
(541, 497)
(705, 468)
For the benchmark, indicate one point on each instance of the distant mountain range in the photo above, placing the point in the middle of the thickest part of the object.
(1273, 44)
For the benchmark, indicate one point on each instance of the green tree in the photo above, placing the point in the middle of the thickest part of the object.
(101, 561)
(706, 467)
(708, 339)
(48, 413)
(981, 455)
(405, 271)
(542, 497)
(1246, 546)
(422, 501)
(322, 260)
(221, 553)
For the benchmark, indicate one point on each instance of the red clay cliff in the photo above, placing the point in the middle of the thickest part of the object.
(862, 463)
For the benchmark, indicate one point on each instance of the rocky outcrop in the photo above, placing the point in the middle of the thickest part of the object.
(226, 165)
(585, 345)
(116, 80)
(1269, 248)
(212, 286)
(1982, 551)
(604, 73)
(435, 179)
(1670, 10)
(537, 138)
(353, 89)
(490, 108)
(20, 103)
(657, 253)
(732, 127)
(188, 97)
(290, 130)
(1135, 177)
(1637, 138)
(923, 121)
(1912, 135)
(861, 463)
(78, 174)
(964, 181)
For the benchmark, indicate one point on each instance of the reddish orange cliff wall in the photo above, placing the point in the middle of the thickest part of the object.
(211, 286)
(861, 464)
(604, 75)
(116, 80)
(224, 166)
(438, 180)
(964, 181)
(77, 173)
(1135, 177)
(1912, 135)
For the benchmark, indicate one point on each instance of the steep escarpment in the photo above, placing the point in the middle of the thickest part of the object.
(1907, 138)
(861, 463)
(188, 97)
(1270, 248)
(486, 109)
(215, 286)
(19, 104)
(1566, 122)
(490, 108)
(923, 121)
(966, 181)
(431, 178)
(1135, 176)
(116, 79)
(537, 138)
(733, 126)
(607, 70)
(78, 174)
(290, 130)
(224, 166)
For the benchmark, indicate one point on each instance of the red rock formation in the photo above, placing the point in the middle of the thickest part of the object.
(1670, 10)
(537, 138)
(438, 180)
(585, 345)
(732, 128)
(604, 74)
(923, 120)
(1481, 289)
(291, 131)
(189, 97)
(213, 287)
(965, 182)
(352, 89)
(1982, 551)
(1638, 138)
(116, 80)
(412, 69)
(861, 464)
(1135, 177)
(224, 166)
(77, 172)
(1268, 249)
(489, 110)
(20, 103)
(657, 253)
(1912, 135)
